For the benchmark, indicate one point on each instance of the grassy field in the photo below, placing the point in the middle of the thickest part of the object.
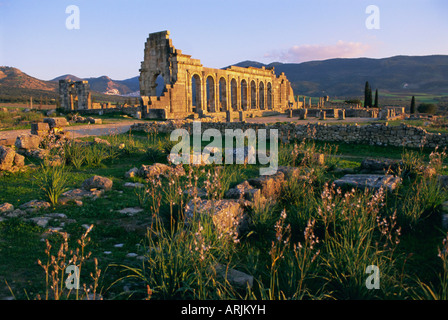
(314, 242)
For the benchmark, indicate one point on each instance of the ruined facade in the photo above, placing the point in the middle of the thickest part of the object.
(190, 88)
(74, 95)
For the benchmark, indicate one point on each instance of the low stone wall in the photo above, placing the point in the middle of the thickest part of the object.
(373, 134)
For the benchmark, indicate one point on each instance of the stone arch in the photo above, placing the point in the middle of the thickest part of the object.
(253, 95)
(211, 94)
(159, 83)
(222, 94)
(196, 92)
(269, 96)
(244, 94)
(234, 94)
(261, 95)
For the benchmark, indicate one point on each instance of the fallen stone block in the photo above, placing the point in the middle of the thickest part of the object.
(373, 165)
(131, 173)
(7, 157)
(228, 215)
(40, 128)
(35, 205)
(59, 122)
(76, 195)
(28, 142)
(368, 181)
(244, 191)
(97, 182)
(6, 207)
(270, 186)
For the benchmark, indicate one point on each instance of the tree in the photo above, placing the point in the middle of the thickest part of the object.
(412, 105)
(376, 99)
(427, 108)
(367, 95)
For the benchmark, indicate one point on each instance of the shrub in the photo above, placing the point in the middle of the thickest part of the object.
(427, 108)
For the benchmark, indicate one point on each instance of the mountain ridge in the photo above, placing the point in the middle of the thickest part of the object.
(338, 77)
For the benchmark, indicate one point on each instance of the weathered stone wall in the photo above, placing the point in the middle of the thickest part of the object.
(373, 134)
(74, 95)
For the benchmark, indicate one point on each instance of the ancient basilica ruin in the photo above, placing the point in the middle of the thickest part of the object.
(189, 88)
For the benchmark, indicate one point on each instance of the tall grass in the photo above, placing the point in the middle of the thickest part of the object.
(52, 181)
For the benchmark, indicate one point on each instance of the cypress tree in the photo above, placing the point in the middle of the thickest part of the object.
(367, 95)
(376, 99)
(412, 105)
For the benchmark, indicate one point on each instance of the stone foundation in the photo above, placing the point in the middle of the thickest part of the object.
(373, 134)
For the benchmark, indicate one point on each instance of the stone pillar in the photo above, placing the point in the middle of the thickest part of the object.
(341, 115)
(229, 117)
(289, 113)
(242, 116)
(322, 115)
(303, 113)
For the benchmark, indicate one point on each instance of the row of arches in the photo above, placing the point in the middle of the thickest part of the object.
(236, 95)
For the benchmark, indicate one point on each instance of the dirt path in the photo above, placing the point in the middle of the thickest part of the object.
(82, 130)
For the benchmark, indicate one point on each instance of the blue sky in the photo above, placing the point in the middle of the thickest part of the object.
(111, 37)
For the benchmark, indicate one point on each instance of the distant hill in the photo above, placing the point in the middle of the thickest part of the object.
(337, 78)
(14, 78)
(346, 77)
(106, 85)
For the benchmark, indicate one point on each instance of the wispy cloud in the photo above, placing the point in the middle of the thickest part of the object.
(309, 52)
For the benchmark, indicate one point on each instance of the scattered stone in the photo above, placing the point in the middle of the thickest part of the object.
(290, 172)
(131, 255)
(35, 205)
(130, 211)
(234, 277)
(443, 181)
(15, 213)
(134, 185)
(199, 192)
(28, 142)
(107, 252)
(150, 171)
(40, 128)
(369, 181)
(119, 245)
(158, 169)
(101, 141)
(41, 221)
(19, 160)
(228, 215)
(97, 182)
(59, 122)
(244, 191)
(76, 195)
(7, 158)
(270, 186)
(379, 166)
(6, 207)
(131, 173)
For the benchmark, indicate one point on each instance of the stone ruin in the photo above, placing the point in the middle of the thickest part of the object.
(190, 89)
(74, 95)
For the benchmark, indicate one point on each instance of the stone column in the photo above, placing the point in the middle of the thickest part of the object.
(242, 116)
(322, 115)
(341, 115)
